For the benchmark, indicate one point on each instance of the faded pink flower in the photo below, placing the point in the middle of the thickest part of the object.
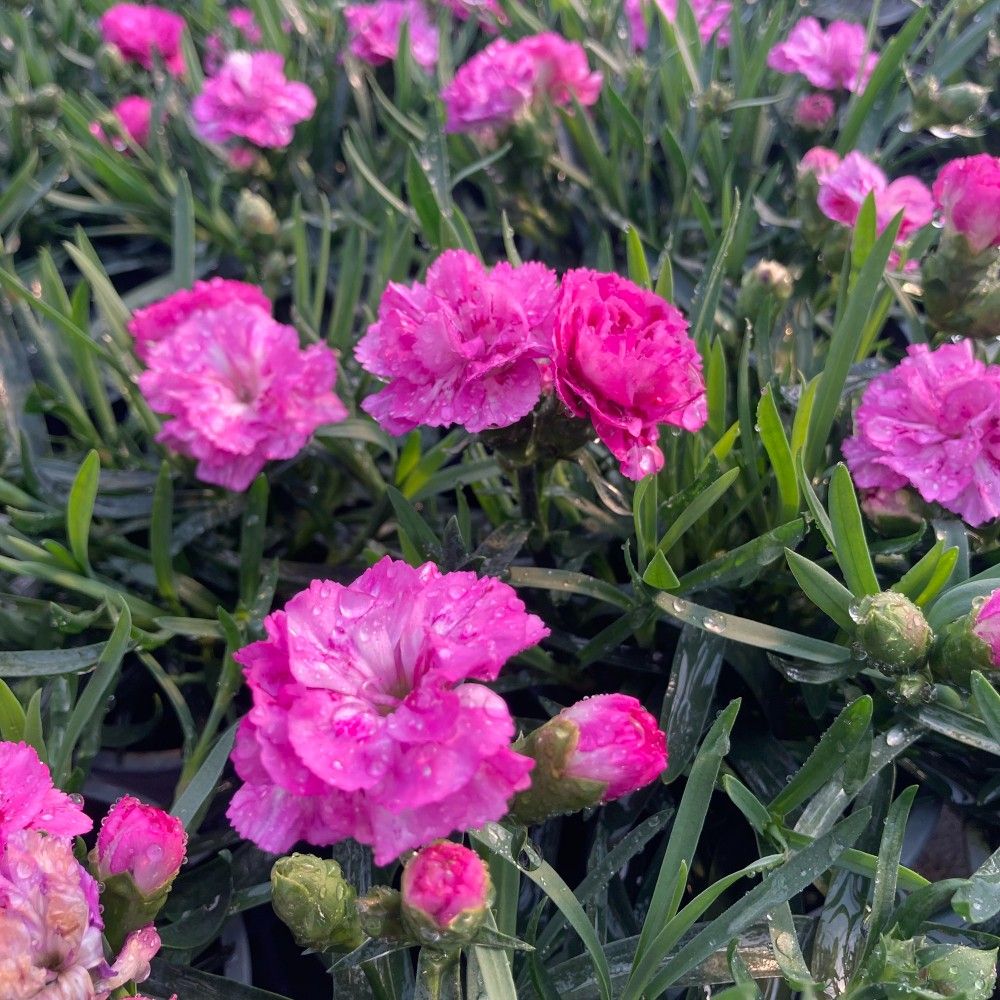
(361, 726)
(819, 161)
(141, 841)
(240, 390)
(833, 58)
(242, 158)
(501, 84)
(133, 114)
(153, 323)
(933, 423)
(488, 12)
(249, 98)
(624, 359)
(445, 884)
(712, 17)
(814, 111)
(28, 800)
(619, 744)
(843, 191)
(374, 28)
(138, 31)
(987, 625)
(462, 347)
(967, 192)
(132, 963)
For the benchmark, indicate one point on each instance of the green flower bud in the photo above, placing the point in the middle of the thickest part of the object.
(379, 913)
(41, 103)
(714, 101)
(891, 631)
(943, 106)
(767, 279)
(254, 215)
(316, 902)
(957, 651)
(962, 288)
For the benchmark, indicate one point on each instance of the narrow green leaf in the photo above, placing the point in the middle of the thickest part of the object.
(49, 662)
(34, 734)
(824, 590)
(988, 702)
(413, 528)
(183, 235)
(160, 532)
(638, 266)
(779, 453)
(979, 898)
(203, 785)
(252, 531)
(80, 509)
(12, 716)
(696, 509)
(915, 579)
(660, 574)
(849, 535)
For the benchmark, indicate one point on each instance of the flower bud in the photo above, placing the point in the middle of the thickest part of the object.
(139, 851)
(446, 893)
(891, 631)
(254, 215)
(814, 111)
(970, 643)
(41, 103)
(379, 913)
(316, 902)
(767, 279)
(961, 288)
(943, 106)
(715, 100)
(892, 512)
(597, 750)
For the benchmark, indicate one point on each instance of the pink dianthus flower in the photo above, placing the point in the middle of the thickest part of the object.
(138, 31)
(159, 320)
(814, 111)
(987, 625)
(967, 192)
(133, 114)
(361, 726)
(842, 192)
(462, 347)
(445, 884)
(712, 17)
(933, 423)
(243, 20)
(141, 841)
(28, 800)
(624, 359)
(249, 98)
(374, 29)
(240, 391)
(819, 161)
(501, 84)
(833, 58)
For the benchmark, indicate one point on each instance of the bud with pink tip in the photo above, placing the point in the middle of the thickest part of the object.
(814, 111)
(597, 750)
(970, 643)
(446, 892)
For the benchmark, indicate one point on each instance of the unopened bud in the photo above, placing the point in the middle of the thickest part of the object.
(313, 899)
(767, 279)
(715, 100)
(813, 112)
(892, 512)
(953, 105)
(254, 215)
(970, 643)
(379, 913)
(891, 631)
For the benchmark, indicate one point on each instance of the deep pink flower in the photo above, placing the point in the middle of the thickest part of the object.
(843, 191)
(28, 800)
(967, 192)
(712, 17)
(831, 59)
(243, 20)
(619, 744)
(462, 347)
(987, 625)
(374, 28)
(501, 84)
(141, 841)
(445, 882)
(361, 726)
(624, 359)
(933, 423)
(814, 111)
(133, 114)
(138, 31)
(240, 390)
(153, 323)
(249, 98)
(819, 161)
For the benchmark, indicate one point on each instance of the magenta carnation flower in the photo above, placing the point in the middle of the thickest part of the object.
(619, 745)
(240, 390)
(444, 884)
(462, 347)
(249, 98)
(833, 58)
(161, 319)
(138, 31)
(814, 111)
(133, 114)
(933, 423)
(967, 192)
(987, 626)
(141, 841)
(843, 190)
(712, 17)
(374, 28)
(28, 800)
(624, 359)
(361, 726)
(501, 84)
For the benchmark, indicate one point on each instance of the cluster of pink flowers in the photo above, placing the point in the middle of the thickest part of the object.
(239, 388)
(50, 906)
(138, 31)
(502, 84)
(374, 30)
(834, 58)
(712, 17)
(133, 114)
(933, 424)
(967, 193)
(464, 347)
(250, 98)
(361, 724)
